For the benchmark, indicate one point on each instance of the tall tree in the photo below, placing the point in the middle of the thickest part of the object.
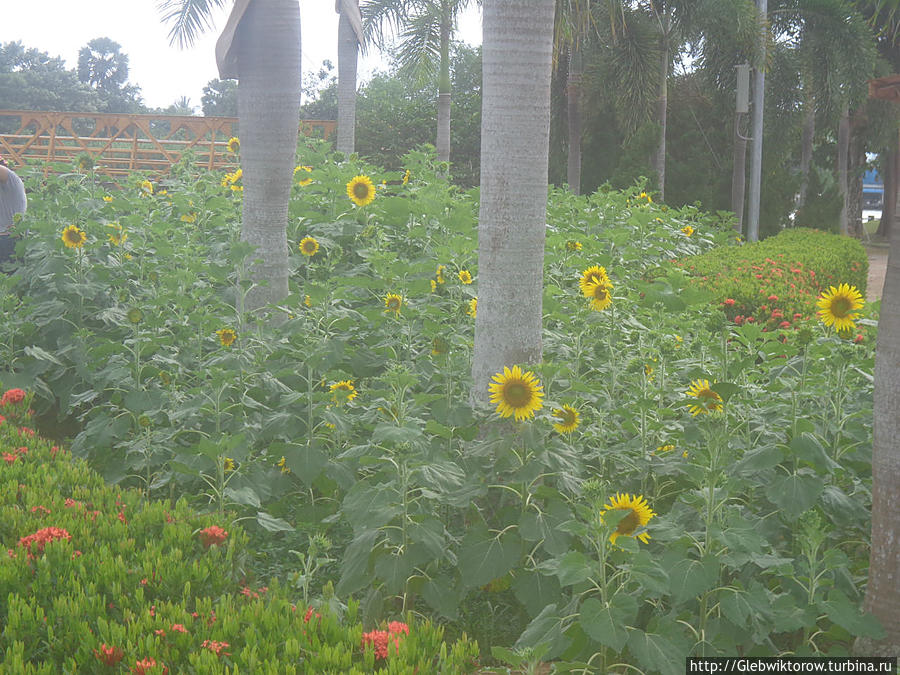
(515, 133)
(260, 47)
(350, 37)
(219, 98)
(104, 67)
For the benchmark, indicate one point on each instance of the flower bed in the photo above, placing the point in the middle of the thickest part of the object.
(95, 579)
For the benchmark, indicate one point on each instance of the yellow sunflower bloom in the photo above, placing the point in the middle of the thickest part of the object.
(309, 246)
(516, 393)
(687, 230)
(568, 417)
(573, 245)
(361, 190)
(189, 217)
(837, 307)
(107, 198)
(118, 235)
(473, 308)
(229, 465)
(639, 515)
(592, 275)
(439, 275)
(465, 277)
(234, 145)
(146, 187)
(303, 181)
(393, 303)
(343, 391)
(73, 237)
(406, 177)
(600, 295)
(227, 336)
(707, 400)
(281, 465)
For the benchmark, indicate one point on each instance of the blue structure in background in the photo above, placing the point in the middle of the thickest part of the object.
(873, 191)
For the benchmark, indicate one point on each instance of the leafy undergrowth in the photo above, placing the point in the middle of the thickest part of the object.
(96, 579)
(776, 282)
(345, 442)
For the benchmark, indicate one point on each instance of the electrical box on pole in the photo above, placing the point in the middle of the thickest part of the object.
(743, 88)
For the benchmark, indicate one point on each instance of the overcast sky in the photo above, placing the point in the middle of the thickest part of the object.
(164, 73)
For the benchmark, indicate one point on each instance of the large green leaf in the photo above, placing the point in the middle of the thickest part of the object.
(795, 493)
(483, 557)
(691, 577)
(609, 622)
(846, 614)
(655, 653)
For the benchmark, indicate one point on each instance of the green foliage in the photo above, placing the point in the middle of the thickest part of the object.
(345, 434)
(136, 580)
(777, 281)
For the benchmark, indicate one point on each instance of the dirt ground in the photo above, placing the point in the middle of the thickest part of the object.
(878, 256)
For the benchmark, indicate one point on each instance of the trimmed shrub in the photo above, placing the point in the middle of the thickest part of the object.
(776, 281)
(95, 579)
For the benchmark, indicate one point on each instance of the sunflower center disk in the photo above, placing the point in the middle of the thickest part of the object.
(840, 307)
(517, 395)
(361, 190)
(629, 523)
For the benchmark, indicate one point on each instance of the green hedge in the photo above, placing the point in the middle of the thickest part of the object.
(777, 280)
(95, 579)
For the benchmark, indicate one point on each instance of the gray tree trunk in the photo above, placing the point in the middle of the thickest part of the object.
(889, 209)
(758, 108)
(806, 148)
(842, 167)
(348, 52)
(662, 104)
(515, 131)
(856, 162)
(573, 100)
(738, 174)
(268, 48)
(443, 112)
(883, 589)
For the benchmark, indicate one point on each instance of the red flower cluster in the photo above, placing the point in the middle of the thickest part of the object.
(212, 535)
(42, 538)
(309, 615)
(109, 656)
(145, 666)
(382, 639)
(12, 396)
(11, 457)
(217, 648)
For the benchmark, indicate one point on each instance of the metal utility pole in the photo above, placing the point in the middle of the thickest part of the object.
(742, 107)
(759, 88)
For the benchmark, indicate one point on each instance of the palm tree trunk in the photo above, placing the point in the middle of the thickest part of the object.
(662, 104)
(348, 52)
(883, 590)
(269, 110)
(842, 161)
(515, 133)
(806, 148)
(889, 208)
(443, 113)
(573, 99)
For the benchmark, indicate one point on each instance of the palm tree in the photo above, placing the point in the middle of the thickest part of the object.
(515, 131)
(426, 30)
(350, 38)
(260, 46)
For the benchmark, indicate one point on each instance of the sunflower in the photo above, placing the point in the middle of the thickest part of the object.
(118, 236)
(361, 190)
(639, 514)
(309, 246)
(433, 286)
(439, 346)
(107, 198)
(592, 275)
(837, 307)
(687, 230)
(146, 187)
(135, 315)
(516, 393)
(465, 277)
(189, 217)
(573, 245)
(281, 464)
(393, 303)
(473, 308)
(439, 275)
(303, 181)
(73, 237)
(307, 301)
(343, 391)
(227, 336)
(709, 401)
(234, 145)
(406, 177)
(600, 295)
(229, 465)
(568, 419)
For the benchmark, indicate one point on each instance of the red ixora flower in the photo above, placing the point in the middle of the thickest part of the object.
(382, 639)
(729, 302)
(217, 648)
(42, 538)
(146, 666)
(212, 535)
(12, 396)
(109, 656)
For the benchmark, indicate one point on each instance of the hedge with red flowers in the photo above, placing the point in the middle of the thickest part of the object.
(95, 579)
(775, 282)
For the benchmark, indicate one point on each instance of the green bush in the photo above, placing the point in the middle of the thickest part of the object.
(776, 281)
(92, 575)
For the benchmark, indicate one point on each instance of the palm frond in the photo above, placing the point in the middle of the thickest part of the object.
(188, 18)
(420, 44)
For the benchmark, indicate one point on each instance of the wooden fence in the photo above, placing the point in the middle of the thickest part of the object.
(119, 144)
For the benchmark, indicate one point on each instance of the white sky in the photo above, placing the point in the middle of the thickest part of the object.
(165, 73)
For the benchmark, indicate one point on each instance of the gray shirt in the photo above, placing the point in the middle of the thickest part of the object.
(12, 200)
